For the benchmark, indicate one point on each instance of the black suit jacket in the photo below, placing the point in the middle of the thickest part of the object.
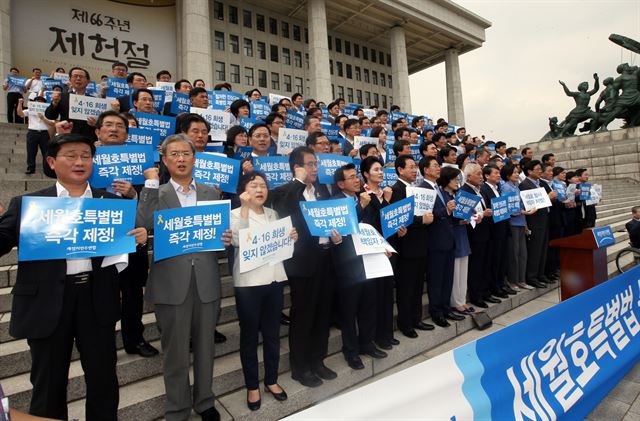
(482, 231)
(441, 229)
(414, 244)
(39, 288)
(349, 266)
(540, 219)
(285, 200)
(499, 230)
(61, 112)
(633, 227)
(125, 103)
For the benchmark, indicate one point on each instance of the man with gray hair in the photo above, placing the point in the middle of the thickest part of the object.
(185, 289)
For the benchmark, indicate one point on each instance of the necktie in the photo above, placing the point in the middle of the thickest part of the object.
(437, 188)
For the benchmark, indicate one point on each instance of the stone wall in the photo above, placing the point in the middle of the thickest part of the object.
(607, 155)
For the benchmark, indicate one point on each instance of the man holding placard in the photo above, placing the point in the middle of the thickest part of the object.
(66, 298)
(185, 288)
(14, 85)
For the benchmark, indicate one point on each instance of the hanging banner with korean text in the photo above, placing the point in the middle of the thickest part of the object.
(396, 215)
(267, 245)
(217, 170)
(69, 228)
(324, 216)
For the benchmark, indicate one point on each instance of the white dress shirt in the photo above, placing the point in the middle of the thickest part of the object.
(186, 198)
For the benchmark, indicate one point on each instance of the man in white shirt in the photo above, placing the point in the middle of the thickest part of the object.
(34, 84)
(37, 135)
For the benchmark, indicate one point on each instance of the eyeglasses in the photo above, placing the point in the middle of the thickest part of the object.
(177, 154)
(322, 143)
(73, 157)
(77, 76)
(112, 125)
(145, 99)
(312, 164)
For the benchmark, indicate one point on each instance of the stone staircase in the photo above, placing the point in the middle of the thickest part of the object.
(141, 383)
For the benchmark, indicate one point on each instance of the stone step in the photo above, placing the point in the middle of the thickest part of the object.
(618, 218)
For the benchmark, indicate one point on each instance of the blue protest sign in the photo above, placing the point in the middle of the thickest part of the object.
(259, 109)
(391, 155)
(603, 236)
(16, 81)
(243, 152)
(118, 87)
(561, 188)
(395, 115)
(164, 125)
(323, 216)
(465, 204)
(218, 170)
(158, 99)
(276, 168)
(64, 228)
(365, 132)
(91, 89)
(349, 109)
(138, 136)
(328, 164)
(390, 177)
(516, 157)
(415, 153)
(294, 120)
(357, 163)
(192, 229)
(214, 148)
(49, 94)
(221, 100)
(247, 122)
(396, 215)
(491, 147)
(180, 103)
(126, 162)
(513, 202)
(585, 191)
(50, 83)
(325, 112)
(500, 209)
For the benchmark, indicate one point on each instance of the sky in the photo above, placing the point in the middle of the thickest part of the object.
(510, 85)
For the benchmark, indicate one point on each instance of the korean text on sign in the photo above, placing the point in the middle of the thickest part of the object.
(218, 170)
(268, 244)
(276, 168)
(289, 139)
(396, 215)
(126, 163)
(424, 199)
(328, 164)
(500, 209)
(82, 107)
(219, 121)
(164, 125)
(465, 205)
(324, 216)
(535, 198)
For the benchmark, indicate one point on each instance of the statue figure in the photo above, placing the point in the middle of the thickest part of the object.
(582, 111)
(627, 104)
(608, 96)
(554, 129)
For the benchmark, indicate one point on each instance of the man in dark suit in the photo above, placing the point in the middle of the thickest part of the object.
(479, 239)
(441, 248)
(135, 80)
(411, 265)
(633, 227)
(183, 86)
(356, 293)
(310, 274)
(57, 302)
(538, 225)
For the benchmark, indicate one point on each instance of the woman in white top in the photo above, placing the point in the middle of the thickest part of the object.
(258, 293)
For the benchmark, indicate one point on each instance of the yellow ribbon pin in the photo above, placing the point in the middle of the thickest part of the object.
(160, 220)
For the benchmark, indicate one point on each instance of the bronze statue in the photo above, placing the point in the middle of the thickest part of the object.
(554, 129)
(582, 111)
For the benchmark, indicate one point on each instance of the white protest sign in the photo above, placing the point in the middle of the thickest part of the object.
(377, 265)
(595, 196)
(360, 141)
(38, 107)
(63, 77)
(369, 241)
(275, 98)
(424, 199)
(289, 139)
(268, 244)
(570, 193)
(219, 120)
(82, 107)
(535, 198)
(168, 87)
(369, 113)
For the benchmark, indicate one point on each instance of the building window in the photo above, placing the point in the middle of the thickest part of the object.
(390, 84)
(299, 85)
(331, 66)
(375, 99)
(356, 50)
(234, 44)
(365, 53)
(262, 78)
(347, 48)
(339, 68)
(274, 53)
(219, 40)
(358, 74)
(329, 42)
(349, 71)
(338, 45)
(384, 101)
(340, 91)
(246, 18)
(297, 59)
(383, 79)
(349, 94)
(333, 91)
(233, 14)
(390, 100)
(248, 47)
(373, 55)
(306, 41)
(306, 59)
(220, 71)
(285, 29)
(381, 58)
(262, 50)
(366, 75)
(358, 96)
(389, 60)
(218, 10)
(296, 32)
(260, 22)
(286, 56)
(367, 98)
(234, 73)
(275, 81)
(273, 26)
(374, 75)
(286, 80)
(248, 76)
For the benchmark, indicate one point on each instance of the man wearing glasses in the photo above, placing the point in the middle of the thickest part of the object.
(143, 101)
(310, 274)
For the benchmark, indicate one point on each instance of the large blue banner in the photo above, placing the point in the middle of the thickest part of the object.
(180, 103)
(396, 215)
(218, 170)
(68, 228)
(323, 216)
(126, 162)
(276, 168)
(164, 125)
(465, 204)
(328, 164)
(192, 229)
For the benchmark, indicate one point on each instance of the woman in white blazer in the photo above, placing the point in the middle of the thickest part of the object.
(258, 293)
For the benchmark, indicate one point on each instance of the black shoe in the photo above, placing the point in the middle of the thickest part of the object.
(30, 172)
(253, 406)
(284, 319)
(479, 303)
(509, 290)
(355, 362)
(500, 294)
(384, 345)
(440, 321)
(324, 372)
(409, 333)
(144, 349)
(536, 284)
(282, 396)
(219, 337)
(394, 341)
(210, 414)
(308, 379)
(374, 352)
(453, 316)
(544, 279)
(424, 326)
(493, 300)
(551, 280)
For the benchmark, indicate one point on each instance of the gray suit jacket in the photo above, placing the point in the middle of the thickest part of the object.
(169, 279)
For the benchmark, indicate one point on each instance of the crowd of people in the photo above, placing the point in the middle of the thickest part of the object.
(464, 264)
